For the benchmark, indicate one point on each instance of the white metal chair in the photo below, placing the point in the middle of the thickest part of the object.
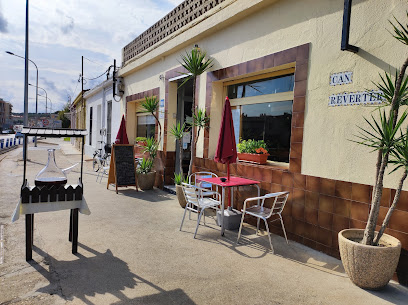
(197, 203)
(103, 170)
(261, 212)
(207, 188)
(195, 179)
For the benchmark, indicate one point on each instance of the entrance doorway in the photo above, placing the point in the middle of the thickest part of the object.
(184, 104)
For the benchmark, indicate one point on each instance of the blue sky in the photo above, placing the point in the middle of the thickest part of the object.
(60, 33)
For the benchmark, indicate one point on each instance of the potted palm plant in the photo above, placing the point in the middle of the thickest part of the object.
(196, 63)
(178, 179)
(178, 132)
(253, 151)
(146, 176)
(370, 258)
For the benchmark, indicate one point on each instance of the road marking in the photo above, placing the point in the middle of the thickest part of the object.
(1, 244)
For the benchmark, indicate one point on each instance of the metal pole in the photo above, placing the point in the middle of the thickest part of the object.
(36, 104)
(25, 117)
(46, 98)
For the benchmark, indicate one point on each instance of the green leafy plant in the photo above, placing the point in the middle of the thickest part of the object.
(383, 134)
(196, 63)
(145, 166)
(151, 148)
(141, 140)
(151, 105)
(177, 131)
(252, 147)
(200, 121)
(179, 178)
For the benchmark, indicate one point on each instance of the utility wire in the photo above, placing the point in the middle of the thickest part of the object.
(98, 76)
(99, 64)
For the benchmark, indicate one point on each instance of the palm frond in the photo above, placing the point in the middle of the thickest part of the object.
(150, 105)
(387, 88)
(196, 63)
(380, 133)
(178, 130)
(200, 119)
(400, 31)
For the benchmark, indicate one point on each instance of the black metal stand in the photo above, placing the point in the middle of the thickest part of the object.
(29, 218)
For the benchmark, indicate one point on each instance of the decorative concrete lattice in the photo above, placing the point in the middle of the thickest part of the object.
(182, 15)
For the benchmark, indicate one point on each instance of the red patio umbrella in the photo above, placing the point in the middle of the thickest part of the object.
(122, 137)
(226, 149)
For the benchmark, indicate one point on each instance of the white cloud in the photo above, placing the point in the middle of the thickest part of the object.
(61, 32)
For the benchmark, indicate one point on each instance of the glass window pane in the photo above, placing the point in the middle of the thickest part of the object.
(270, 122)
(262, 87)
(146, 126)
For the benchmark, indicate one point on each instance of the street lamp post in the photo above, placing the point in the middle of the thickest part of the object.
(45, 95)
(36, 91)
(46, 98)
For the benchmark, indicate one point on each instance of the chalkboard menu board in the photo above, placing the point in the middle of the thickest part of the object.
(122, 171)
(124, 165)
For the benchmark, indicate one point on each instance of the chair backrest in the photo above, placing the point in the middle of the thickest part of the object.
(98, 161)
(191, 194)
(279, 202)
(195, 178)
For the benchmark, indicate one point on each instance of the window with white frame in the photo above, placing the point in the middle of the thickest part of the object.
(146, 126)
(262, 110)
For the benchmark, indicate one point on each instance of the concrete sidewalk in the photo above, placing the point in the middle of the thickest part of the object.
(132, 252)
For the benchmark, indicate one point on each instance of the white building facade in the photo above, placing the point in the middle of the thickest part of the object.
(103, 115)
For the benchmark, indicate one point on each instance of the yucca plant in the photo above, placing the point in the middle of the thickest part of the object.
(177, 131)
(179, 178)
(151, 105)
(196, 63)
(383, 135)
(151, 148)
(145, 166)
(200, 121)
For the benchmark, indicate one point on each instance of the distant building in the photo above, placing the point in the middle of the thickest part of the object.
(5, 114)
(103, 116)
(78, 116)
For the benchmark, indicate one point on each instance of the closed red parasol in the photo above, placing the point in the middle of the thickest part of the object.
(122, 137)
(226, 149)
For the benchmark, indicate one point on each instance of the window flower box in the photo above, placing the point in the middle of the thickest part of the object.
(252, 151)
(253, 158)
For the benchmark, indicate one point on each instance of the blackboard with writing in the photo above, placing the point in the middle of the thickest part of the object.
(124, 165)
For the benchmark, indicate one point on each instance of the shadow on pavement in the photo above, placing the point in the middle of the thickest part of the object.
(154, 195)
(101, 274)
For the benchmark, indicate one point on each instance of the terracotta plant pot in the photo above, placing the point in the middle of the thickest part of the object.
(146, 181)
(369, 267)
(180, 196)
(253, 158)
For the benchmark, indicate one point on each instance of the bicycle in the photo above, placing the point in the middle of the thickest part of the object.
(99, 161)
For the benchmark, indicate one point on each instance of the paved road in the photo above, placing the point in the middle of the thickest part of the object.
(132, 252)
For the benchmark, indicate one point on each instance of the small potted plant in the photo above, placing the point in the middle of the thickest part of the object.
(146, 176)
(253, 151)
(178, 179)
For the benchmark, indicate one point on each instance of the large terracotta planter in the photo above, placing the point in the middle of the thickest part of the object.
(369, 267)
(253, 158)
(180, 196)
(146, 181)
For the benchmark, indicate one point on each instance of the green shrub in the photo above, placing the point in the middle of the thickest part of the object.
(145, 166)
(251, 146)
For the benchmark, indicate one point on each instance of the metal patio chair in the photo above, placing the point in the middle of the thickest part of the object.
(103, 170)
(194, 179)
(197, 203)
(261, 212)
